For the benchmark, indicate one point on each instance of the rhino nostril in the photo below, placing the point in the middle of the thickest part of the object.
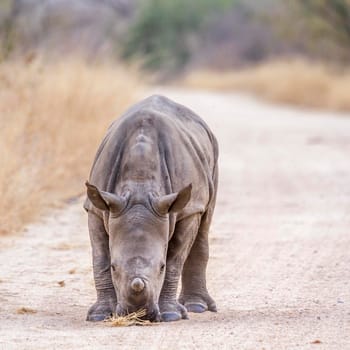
(137, 285)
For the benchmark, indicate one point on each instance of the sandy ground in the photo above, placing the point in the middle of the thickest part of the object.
(280, 246)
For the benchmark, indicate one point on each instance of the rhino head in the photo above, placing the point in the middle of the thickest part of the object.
(138, 228)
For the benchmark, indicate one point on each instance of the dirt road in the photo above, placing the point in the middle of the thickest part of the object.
(280, 246)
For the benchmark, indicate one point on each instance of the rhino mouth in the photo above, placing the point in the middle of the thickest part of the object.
(152, 314)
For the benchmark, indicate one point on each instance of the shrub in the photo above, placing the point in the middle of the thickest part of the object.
(161, 35)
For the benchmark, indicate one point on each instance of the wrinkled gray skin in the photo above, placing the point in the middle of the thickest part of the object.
(150, 200)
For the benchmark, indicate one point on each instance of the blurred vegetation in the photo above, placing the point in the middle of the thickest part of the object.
(7, 28)
(170, 36)
(161, 35)
(325, 26)
(329, 17)
(52, 119)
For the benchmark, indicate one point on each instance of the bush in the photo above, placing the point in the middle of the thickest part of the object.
(161, 35)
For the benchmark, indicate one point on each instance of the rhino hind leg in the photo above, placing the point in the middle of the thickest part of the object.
(106, 298)
(194, 294)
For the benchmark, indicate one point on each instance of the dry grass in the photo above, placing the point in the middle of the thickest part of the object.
(25, 310)
(52, 118)
(129, 320)
(294, 82)
(61, 283)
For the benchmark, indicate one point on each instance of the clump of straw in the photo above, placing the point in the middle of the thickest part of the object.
(129, 320)
(25, 310)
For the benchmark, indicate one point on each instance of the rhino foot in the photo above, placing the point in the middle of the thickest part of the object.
(99, 311)
(198, 303)
(172, 311)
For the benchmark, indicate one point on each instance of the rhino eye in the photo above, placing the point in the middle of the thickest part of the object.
(162, 268)
(113, 267)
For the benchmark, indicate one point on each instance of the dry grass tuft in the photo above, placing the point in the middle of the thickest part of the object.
(294, 82)
(129, 320)
(52, 118)
(25, 310)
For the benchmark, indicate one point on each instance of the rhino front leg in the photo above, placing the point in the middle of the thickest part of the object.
(178, 249)
(106, 298)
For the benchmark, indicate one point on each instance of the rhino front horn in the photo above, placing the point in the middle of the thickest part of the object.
(137, 285)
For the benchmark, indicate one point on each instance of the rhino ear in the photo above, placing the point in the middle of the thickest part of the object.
(105, 200)
(173, 202)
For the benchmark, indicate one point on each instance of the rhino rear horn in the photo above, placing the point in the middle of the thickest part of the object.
(105, 200)
(173, 202)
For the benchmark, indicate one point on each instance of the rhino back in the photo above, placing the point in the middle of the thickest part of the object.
(184, 147)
